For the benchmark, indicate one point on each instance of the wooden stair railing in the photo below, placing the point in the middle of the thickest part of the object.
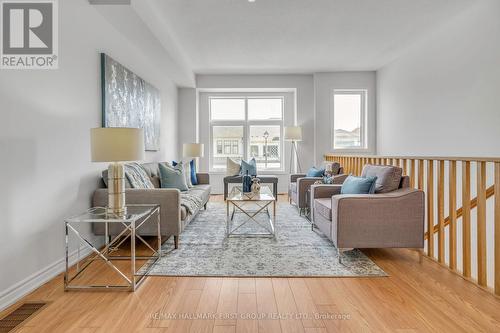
(490, 191)
(428, 173)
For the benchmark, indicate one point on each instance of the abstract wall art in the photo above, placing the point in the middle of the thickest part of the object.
(129, 101)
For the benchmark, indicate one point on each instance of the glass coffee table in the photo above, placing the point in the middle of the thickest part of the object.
(255, 209)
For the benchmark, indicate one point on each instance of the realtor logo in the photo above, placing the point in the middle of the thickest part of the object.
(29, 34)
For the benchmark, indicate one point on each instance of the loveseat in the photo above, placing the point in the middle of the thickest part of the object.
(174, 217)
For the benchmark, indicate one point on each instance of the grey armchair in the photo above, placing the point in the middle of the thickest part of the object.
(393, 217)
(300, 184)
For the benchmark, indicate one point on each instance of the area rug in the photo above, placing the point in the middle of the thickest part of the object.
(297, 251)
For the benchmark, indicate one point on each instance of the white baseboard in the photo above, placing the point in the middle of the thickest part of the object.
(24, 287)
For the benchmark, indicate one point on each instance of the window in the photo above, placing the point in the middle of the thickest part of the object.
(246, 127)
(349, 119)
(228, 143)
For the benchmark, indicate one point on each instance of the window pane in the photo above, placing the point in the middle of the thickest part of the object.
(227, 109)
(348, 109)
(265, 108)
(265, 146)
(228, 142)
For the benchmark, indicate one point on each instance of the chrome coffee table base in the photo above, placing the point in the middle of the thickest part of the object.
(251, 206)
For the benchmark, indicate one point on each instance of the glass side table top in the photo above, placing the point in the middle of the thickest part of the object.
(100, 214)
(237, 194)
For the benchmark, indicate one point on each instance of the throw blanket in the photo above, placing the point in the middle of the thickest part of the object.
(137, 176)
(191, 201)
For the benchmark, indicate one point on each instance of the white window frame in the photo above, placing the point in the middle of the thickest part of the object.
(246, 124)
(363, 119)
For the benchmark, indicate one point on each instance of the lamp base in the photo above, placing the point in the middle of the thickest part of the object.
(116, 189)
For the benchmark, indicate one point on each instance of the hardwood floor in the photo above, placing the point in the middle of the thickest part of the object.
(420, 297)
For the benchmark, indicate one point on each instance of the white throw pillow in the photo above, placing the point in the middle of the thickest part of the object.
(186, 169)
(232, 167)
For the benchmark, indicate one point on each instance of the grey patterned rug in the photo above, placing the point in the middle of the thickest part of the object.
(297, 250)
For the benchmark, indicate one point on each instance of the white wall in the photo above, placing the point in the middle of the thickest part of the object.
(442, 97)
(46, 115)
(324, 84)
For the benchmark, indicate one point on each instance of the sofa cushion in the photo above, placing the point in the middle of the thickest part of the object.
(250, 166)
(358, 185)
(232, 167)
(183, 213)
(172, 177)
(137, 176)
(388, 177)
(323, 206)
(203, 191)
(333, 167)
(314, 172)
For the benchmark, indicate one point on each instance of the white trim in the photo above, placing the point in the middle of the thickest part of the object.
(22, 288)
(364, 126)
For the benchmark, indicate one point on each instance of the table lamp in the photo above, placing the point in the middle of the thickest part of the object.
(293, 134)
(193, 150)
(116, 145)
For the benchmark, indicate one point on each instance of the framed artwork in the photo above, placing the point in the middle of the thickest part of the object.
(129, 101)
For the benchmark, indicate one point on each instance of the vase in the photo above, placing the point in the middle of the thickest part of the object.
(247, 183)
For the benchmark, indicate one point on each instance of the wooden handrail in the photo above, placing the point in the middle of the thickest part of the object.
(490, 191)
(427, 173)
(433, 158)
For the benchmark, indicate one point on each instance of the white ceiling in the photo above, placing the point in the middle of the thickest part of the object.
(297, 36)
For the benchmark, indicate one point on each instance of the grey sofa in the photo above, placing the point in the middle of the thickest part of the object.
(264, 179)
(173, 217)
(393, 217)
(300, 184)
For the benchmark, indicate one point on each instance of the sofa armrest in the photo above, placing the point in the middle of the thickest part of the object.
(324, 190)
(295, 176)
(167, 198)
(203, 178)
(394, 219)
(303, 184)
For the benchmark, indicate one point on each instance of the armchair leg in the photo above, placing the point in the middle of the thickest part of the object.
(420, 255)
(176, 242)
(340, 253)
(205, 206)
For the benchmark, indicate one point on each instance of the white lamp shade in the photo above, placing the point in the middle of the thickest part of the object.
(293, 133)
(193, 150)
(116, 144)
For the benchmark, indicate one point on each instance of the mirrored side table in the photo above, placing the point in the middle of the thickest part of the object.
(136, 217)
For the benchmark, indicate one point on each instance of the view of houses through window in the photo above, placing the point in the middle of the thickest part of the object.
(349, 113)
(244, 128)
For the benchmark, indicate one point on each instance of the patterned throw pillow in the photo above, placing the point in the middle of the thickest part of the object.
(190, 169)
(137, 176)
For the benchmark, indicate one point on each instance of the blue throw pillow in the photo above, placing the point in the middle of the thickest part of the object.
(172, 178)
(192, 167)
(251, 166)
(358, 185)
(313, 172)
(194, 178)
